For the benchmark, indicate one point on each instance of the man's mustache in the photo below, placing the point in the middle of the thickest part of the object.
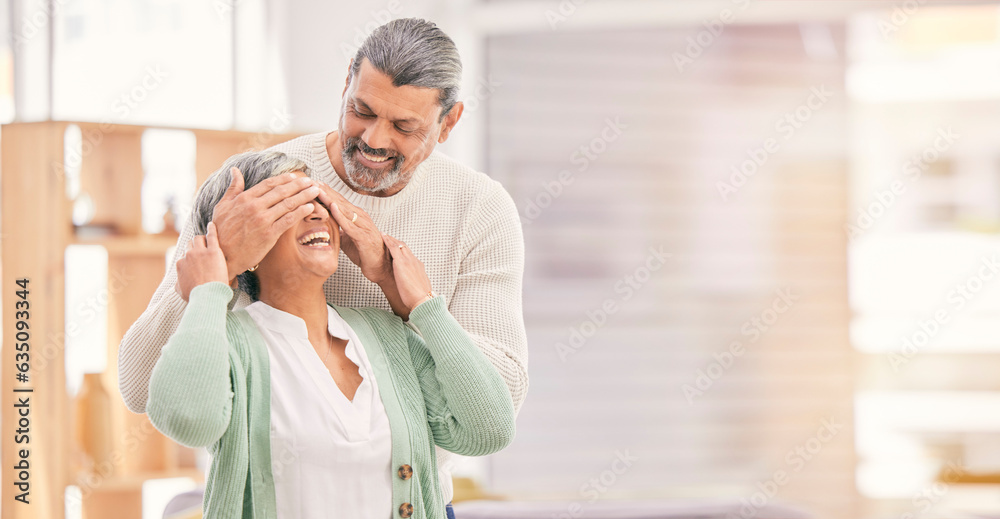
(357, 143)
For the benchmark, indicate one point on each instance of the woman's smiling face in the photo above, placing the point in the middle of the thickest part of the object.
(311, 247)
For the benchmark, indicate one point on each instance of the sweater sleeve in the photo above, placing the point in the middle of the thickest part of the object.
(142, 343)
(190, 390)
(469, 407)
(487, 296)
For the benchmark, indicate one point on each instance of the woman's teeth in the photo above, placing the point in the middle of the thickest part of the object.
(316, 239)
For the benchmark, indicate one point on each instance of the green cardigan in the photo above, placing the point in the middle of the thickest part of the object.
(211, 388)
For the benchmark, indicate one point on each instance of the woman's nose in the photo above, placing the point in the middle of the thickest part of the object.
(319, 211)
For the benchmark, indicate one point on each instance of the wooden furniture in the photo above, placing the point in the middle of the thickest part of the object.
(36, 229)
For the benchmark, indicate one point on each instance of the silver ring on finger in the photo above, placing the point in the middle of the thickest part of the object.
(354, 218)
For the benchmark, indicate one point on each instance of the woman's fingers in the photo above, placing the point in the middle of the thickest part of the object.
(212, 237)
(411, 278)
(399, 250)
(391, 242)
(393, 245)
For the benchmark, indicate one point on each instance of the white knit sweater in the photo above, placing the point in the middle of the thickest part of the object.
(459, 222)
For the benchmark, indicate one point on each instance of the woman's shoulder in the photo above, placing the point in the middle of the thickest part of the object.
(244, 337)
(373, 323)
(238, 320)
(370, 313)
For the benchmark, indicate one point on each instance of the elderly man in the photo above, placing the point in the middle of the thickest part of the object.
(380, 170)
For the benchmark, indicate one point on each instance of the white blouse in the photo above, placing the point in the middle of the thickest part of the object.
(330, 456)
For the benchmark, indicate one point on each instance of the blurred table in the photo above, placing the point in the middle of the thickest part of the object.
(645, 509)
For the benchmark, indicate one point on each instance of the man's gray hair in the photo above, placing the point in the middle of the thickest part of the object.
(414, 52)
(256, 168)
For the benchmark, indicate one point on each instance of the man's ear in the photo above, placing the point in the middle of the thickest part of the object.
(450, 121)
(347, 82)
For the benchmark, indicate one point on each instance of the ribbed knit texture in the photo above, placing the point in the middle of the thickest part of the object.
(459, 222)
(211, 388)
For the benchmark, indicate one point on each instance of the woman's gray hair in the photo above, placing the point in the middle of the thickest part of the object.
(256, 168)
(414, 52)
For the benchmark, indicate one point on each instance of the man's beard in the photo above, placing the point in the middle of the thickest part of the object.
(364, 179)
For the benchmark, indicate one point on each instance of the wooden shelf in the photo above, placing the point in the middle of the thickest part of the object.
(135, 481)
(132, 245)
(37, 227)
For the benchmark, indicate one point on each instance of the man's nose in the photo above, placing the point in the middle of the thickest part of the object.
(377, 135)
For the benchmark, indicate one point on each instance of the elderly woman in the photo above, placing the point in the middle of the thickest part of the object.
(311, 410)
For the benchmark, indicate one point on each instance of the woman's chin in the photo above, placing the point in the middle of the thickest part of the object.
(324, 269)
(308, 264)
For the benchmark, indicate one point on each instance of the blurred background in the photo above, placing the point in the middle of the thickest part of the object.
(761, 238)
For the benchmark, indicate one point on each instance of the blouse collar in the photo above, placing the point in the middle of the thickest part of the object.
(293, 326)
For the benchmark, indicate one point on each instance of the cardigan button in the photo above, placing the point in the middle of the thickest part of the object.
(405, 510)
(405, 472)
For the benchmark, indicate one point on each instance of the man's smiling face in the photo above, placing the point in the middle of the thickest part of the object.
(386, 131)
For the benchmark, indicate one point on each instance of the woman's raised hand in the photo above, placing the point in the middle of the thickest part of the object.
(411, 279)
(202, 263)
